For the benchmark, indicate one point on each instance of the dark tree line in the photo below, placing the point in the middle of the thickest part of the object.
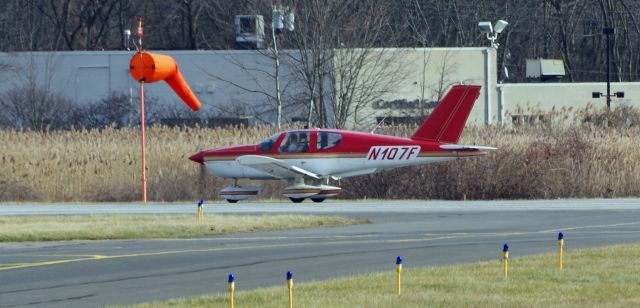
(567, 29)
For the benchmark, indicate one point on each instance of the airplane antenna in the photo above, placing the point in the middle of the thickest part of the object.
(378, 125)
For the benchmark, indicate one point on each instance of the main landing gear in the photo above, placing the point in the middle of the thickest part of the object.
(297, 192)
(235, 193)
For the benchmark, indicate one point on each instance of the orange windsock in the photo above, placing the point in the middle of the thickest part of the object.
(150, 67)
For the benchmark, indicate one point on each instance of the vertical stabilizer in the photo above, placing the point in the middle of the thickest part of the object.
(446, 122)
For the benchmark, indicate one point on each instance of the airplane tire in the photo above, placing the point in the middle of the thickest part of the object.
(296, 200)
(232, 201)
(317, 200)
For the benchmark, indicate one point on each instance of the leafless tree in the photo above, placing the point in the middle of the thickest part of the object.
(566, 29)
(263, 77)
(361, 71)
(32, 102)
(337, 60)
(312, 42)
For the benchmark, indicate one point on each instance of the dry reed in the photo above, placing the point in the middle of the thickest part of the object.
(547, 161)
(105, 165)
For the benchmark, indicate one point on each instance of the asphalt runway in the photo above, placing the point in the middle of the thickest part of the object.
(425, 233)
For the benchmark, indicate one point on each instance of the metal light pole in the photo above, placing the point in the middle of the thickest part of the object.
(281, 17)
(608, 32)
(619, 94)
(491, 31)
(276, 54)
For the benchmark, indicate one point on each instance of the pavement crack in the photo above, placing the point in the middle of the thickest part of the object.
(51, 301)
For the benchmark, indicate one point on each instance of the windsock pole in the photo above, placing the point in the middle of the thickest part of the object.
(140, 34)
(144, 163)
(145, 67)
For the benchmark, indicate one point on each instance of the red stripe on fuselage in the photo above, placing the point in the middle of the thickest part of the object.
(348, 155)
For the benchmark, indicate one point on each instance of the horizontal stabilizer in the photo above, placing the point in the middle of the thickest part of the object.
(466, 147)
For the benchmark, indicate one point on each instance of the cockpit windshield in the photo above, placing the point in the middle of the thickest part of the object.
(267, 144)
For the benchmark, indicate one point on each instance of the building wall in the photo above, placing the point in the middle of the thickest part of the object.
(234, 83)
(531, 98)
(429, 72)
(228, 83)
(498, 103)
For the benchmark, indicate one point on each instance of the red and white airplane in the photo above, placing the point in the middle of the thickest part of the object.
(308, 158)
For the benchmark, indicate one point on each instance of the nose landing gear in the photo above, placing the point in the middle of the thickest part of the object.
(235, 193)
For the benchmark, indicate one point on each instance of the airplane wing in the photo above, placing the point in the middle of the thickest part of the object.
(274, 167)
(466, 147)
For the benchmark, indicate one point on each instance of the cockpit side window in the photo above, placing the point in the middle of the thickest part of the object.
(267, 144)
(328, 140)
(295, 142)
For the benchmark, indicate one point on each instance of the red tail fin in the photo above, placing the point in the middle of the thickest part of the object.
(446, 122)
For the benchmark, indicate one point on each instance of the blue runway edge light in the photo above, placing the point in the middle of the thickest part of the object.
(231, 278)
(560, 236)
(505, 247)
(399, 260)
(289, 275)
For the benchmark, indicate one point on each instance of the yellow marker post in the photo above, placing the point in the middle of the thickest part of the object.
(290, 287)
(232, 288)
(200, 210)
(505, 260)
(560, 248)
(399, 272)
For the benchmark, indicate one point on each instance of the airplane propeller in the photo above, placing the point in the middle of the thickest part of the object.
(202, 181)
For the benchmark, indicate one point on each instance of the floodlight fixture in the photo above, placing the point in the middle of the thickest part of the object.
(485, 27)
(283, 18)
(500, 25)
(277, 19)
(127, 38)
(290, 20)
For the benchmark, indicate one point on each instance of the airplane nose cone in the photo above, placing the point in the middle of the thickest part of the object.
(198, 157)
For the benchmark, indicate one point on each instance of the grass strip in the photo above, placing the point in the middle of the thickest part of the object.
(597, 277)
(543, 161)
(105, 227)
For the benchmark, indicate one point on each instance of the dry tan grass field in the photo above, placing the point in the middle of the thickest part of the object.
(563, 161)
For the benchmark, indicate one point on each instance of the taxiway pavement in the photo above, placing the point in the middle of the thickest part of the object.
(425, 233)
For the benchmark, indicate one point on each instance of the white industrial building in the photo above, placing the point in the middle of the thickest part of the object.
(239, 83)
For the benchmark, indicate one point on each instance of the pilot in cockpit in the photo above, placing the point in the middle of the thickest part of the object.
(303, 143)
(292, 143)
